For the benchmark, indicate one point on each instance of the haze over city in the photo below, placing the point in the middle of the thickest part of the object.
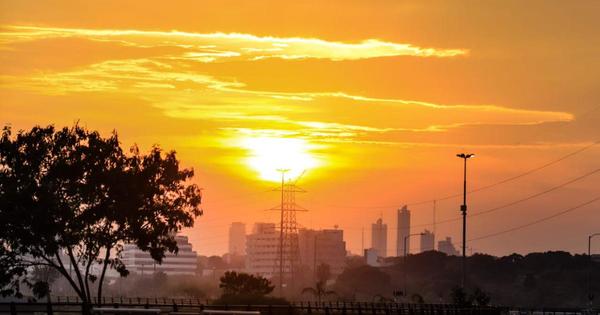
(369, 101)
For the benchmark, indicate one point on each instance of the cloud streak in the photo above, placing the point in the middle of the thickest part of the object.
(326, 116)
(222, 47)
(170, 83)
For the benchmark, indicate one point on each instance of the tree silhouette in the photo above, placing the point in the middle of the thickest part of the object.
(40, 279)
(69, 197)
(234, 283)
(363, 280)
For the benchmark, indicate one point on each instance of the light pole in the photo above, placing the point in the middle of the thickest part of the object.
(590, 294)
(404, 262)
(463, 210)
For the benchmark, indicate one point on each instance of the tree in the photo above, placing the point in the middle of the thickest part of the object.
(70, 197)
(246, 289)
(319, 291)
(364, 280)
(41, 278)
(233, 283)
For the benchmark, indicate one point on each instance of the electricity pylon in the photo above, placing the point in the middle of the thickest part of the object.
(287, 256)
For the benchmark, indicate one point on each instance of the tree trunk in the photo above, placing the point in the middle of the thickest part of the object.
(106, 257)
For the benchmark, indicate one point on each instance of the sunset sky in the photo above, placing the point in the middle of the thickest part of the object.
(370, 99)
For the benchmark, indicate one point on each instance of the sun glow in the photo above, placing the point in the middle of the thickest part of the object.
(268, 155)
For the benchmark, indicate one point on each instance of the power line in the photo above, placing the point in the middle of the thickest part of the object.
(475, 190)
(538, 194)
(512, 203)
(506, 180)
(537, 221)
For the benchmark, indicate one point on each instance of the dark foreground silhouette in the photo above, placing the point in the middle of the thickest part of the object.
(553, 279)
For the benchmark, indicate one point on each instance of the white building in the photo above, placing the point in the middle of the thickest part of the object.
(403, 231)
(427, 241)
(237, 239)
(447, 247)
(322, 247)
(262, 248)
(141, 263)
(379, 237)
(371, 257)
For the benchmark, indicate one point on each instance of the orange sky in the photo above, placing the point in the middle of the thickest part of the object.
(372, 98)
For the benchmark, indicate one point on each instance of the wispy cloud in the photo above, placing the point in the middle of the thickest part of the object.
(212, 47)
(182, 91)
(184, 94)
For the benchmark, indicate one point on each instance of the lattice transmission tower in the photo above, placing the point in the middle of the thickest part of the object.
(287, 258)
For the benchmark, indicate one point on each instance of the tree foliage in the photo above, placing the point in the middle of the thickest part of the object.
(233, 283)
(550, 279)
(243, 288)
(365, 281)
(69, 197)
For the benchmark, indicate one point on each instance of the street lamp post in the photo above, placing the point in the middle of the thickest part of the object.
(404, 262)
(589, 276)
(463, 210)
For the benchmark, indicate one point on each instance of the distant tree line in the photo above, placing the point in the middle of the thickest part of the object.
(538, 279)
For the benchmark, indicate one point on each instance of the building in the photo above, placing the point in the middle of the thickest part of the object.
(237, 239)
(427, 241)
(403, 231)
(371, 257)
(379, 238)
(185, 262)
(447, 247)
(262, 250)
(322, 247)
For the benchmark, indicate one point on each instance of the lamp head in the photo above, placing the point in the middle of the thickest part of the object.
(465, 155)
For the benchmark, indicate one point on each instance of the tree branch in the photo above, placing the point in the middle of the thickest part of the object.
(106, 257)
(87, 275)
(61, 268)
(78, 273)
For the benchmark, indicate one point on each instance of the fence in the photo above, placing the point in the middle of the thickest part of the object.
(168, 306)
(179, 306)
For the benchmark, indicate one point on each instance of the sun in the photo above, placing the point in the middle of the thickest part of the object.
(268, 155)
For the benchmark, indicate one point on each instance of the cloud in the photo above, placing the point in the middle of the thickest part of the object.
(182, 93)
(222, 47)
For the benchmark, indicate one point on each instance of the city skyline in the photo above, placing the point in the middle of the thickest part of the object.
(366, 116)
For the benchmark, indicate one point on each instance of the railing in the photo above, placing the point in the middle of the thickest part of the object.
(195, 306)
(179, 306)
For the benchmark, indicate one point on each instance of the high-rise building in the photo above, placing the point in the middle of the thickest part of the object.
(427, 241)
(403, 231)
(185, 262)
(237, 239)
(446, 246)
(322, 247)
(379, 238)
(262, 248)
